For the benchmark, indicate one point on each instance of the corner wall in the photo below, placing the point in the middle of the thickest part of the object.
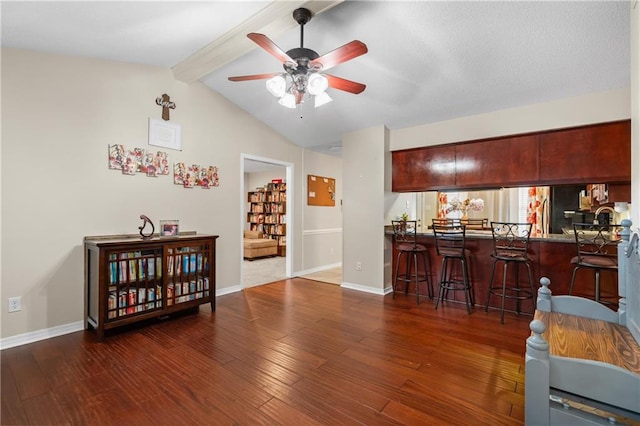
(363, 211)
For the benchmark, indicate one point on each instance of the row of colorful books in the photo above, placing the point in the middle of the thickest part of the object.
(185, 263)
(274, 229)
(187, 290)
(269, 218)
(134, 300)
(133, 266)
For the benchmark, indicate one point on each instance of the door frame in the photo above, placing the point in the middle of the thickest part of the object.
(289, 209)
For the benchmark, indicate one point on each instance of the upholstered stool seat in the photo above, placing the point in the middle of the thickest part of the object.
(404, 232)
(510, 246)
(597, 250)
(450, 245)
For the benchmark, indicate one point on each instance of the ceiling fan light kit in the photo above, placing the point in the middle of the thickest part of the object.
(303, 68)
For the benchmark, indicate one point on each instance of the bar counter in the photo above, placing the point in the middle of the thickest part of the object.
(550, 257)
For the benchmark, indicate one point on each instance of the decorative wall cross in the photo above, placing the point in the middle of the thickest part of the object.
(166, 104)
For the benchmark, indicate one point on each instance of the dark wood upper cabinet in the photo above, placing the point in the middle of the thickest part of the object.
(601, 153)
(497, 162)
(429, 167)
(594, 153)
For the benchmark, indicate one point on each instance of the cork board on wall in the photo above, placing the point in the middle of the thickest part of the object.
(321, 191)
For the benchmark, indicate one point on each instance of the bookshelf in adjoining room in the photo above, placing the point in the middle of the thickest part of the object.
(128, 279)
(267, 213)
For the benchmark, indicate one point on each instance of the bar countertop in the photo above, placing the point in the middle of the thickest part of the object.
(486, 234)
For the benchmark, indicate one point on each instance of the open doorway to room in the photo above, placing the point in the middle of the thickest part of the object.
(267, 209)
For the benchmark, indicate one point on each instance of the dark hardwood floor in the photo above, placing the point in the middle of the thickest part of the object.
(295, 352)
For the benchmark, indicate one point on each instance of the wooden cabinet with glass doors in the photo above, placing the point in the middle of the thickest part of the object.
(128, 279)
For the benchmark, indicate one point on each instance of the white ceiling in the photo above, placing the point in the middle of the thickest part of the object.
(428, 61)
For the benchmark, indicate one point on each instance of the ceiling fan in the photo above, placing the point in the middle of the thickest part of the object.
(305, 69)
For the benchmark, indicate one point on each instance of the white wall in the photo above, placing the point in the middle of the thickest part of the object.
(364, 155)
(59, 114)
(588, 109)
(322, 234)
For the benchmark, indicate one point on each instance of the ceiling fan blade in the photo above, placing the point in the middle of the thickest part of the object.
(344, 84)
(254, 77)
(266, 43)
(341, 54)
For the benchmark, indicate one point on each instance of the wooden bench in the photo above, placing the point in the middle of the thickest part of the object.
(583, 359)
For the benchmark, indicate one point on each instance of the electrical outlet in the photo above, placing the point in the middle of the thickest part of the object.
(15, 304)
(358, 266)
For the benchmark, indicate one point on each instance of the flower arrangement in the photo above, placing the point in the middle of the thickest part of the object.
(474, 204)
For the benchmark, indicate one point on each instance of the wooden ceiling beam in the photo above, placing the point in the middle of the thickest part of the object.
(273, 19)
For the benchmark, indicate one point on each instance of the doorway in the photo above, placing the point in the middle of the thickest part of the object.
(267, 269)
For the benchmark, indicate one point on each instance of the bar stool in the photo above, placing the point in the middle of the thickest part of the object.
(597, 250)
(450, 245)
(404, 232)
(510, 246)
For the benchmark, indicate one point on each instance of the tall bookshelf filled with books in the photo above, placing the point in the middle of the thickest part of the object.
(128, 279)
(267, 213)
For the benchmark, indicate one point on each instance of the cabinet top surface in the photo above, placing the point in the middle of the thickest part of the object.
(136, 239)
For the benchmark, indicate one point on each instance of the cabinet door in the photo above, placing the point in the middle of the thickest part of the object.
(134, 282)
(423, 169)
(601, 153)
(497, 162)
(188, 277)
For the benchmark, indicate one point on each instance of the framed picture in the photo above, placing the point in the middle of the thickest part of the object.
(165, 134)
(169, 228)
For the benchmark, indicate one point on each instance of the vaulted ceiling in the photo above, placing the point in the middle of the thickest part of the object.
(428, 61)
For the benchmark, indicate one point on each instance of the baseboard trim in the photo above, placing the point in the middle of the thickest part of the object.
(35, 336)
(318, 269)
(48, 333)
(228, 290)
(366, 289)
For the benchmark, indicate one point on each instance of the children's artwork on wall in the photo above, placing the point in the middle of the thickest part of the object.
(138, 160)
(179, 172)
(116, 156)
(191, 178)
(162, 163)
(195, 175)
(209, 177)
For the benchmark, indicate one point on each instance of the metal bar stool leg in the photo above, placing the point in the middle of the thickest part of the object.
(417, 278)
(443, 275)
(504, 291)
(532, 289)
(427, 276)
(516, 286)
(395, 278)
(466, 285)
(490, 291)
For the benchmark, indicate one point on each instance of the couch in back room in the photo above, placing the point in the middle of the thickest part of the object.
(255, 245)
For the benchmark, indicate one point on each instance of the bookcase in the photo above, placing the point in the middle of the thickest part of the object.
(128, 279)
(267, 213)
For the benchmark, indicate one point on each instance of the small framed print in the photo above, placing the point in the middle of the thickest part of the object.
(169, 228)
(165, 134)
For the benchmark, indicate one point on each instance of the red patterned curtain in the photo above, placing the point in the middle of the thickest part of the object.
(535, 206)
(443, 203)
